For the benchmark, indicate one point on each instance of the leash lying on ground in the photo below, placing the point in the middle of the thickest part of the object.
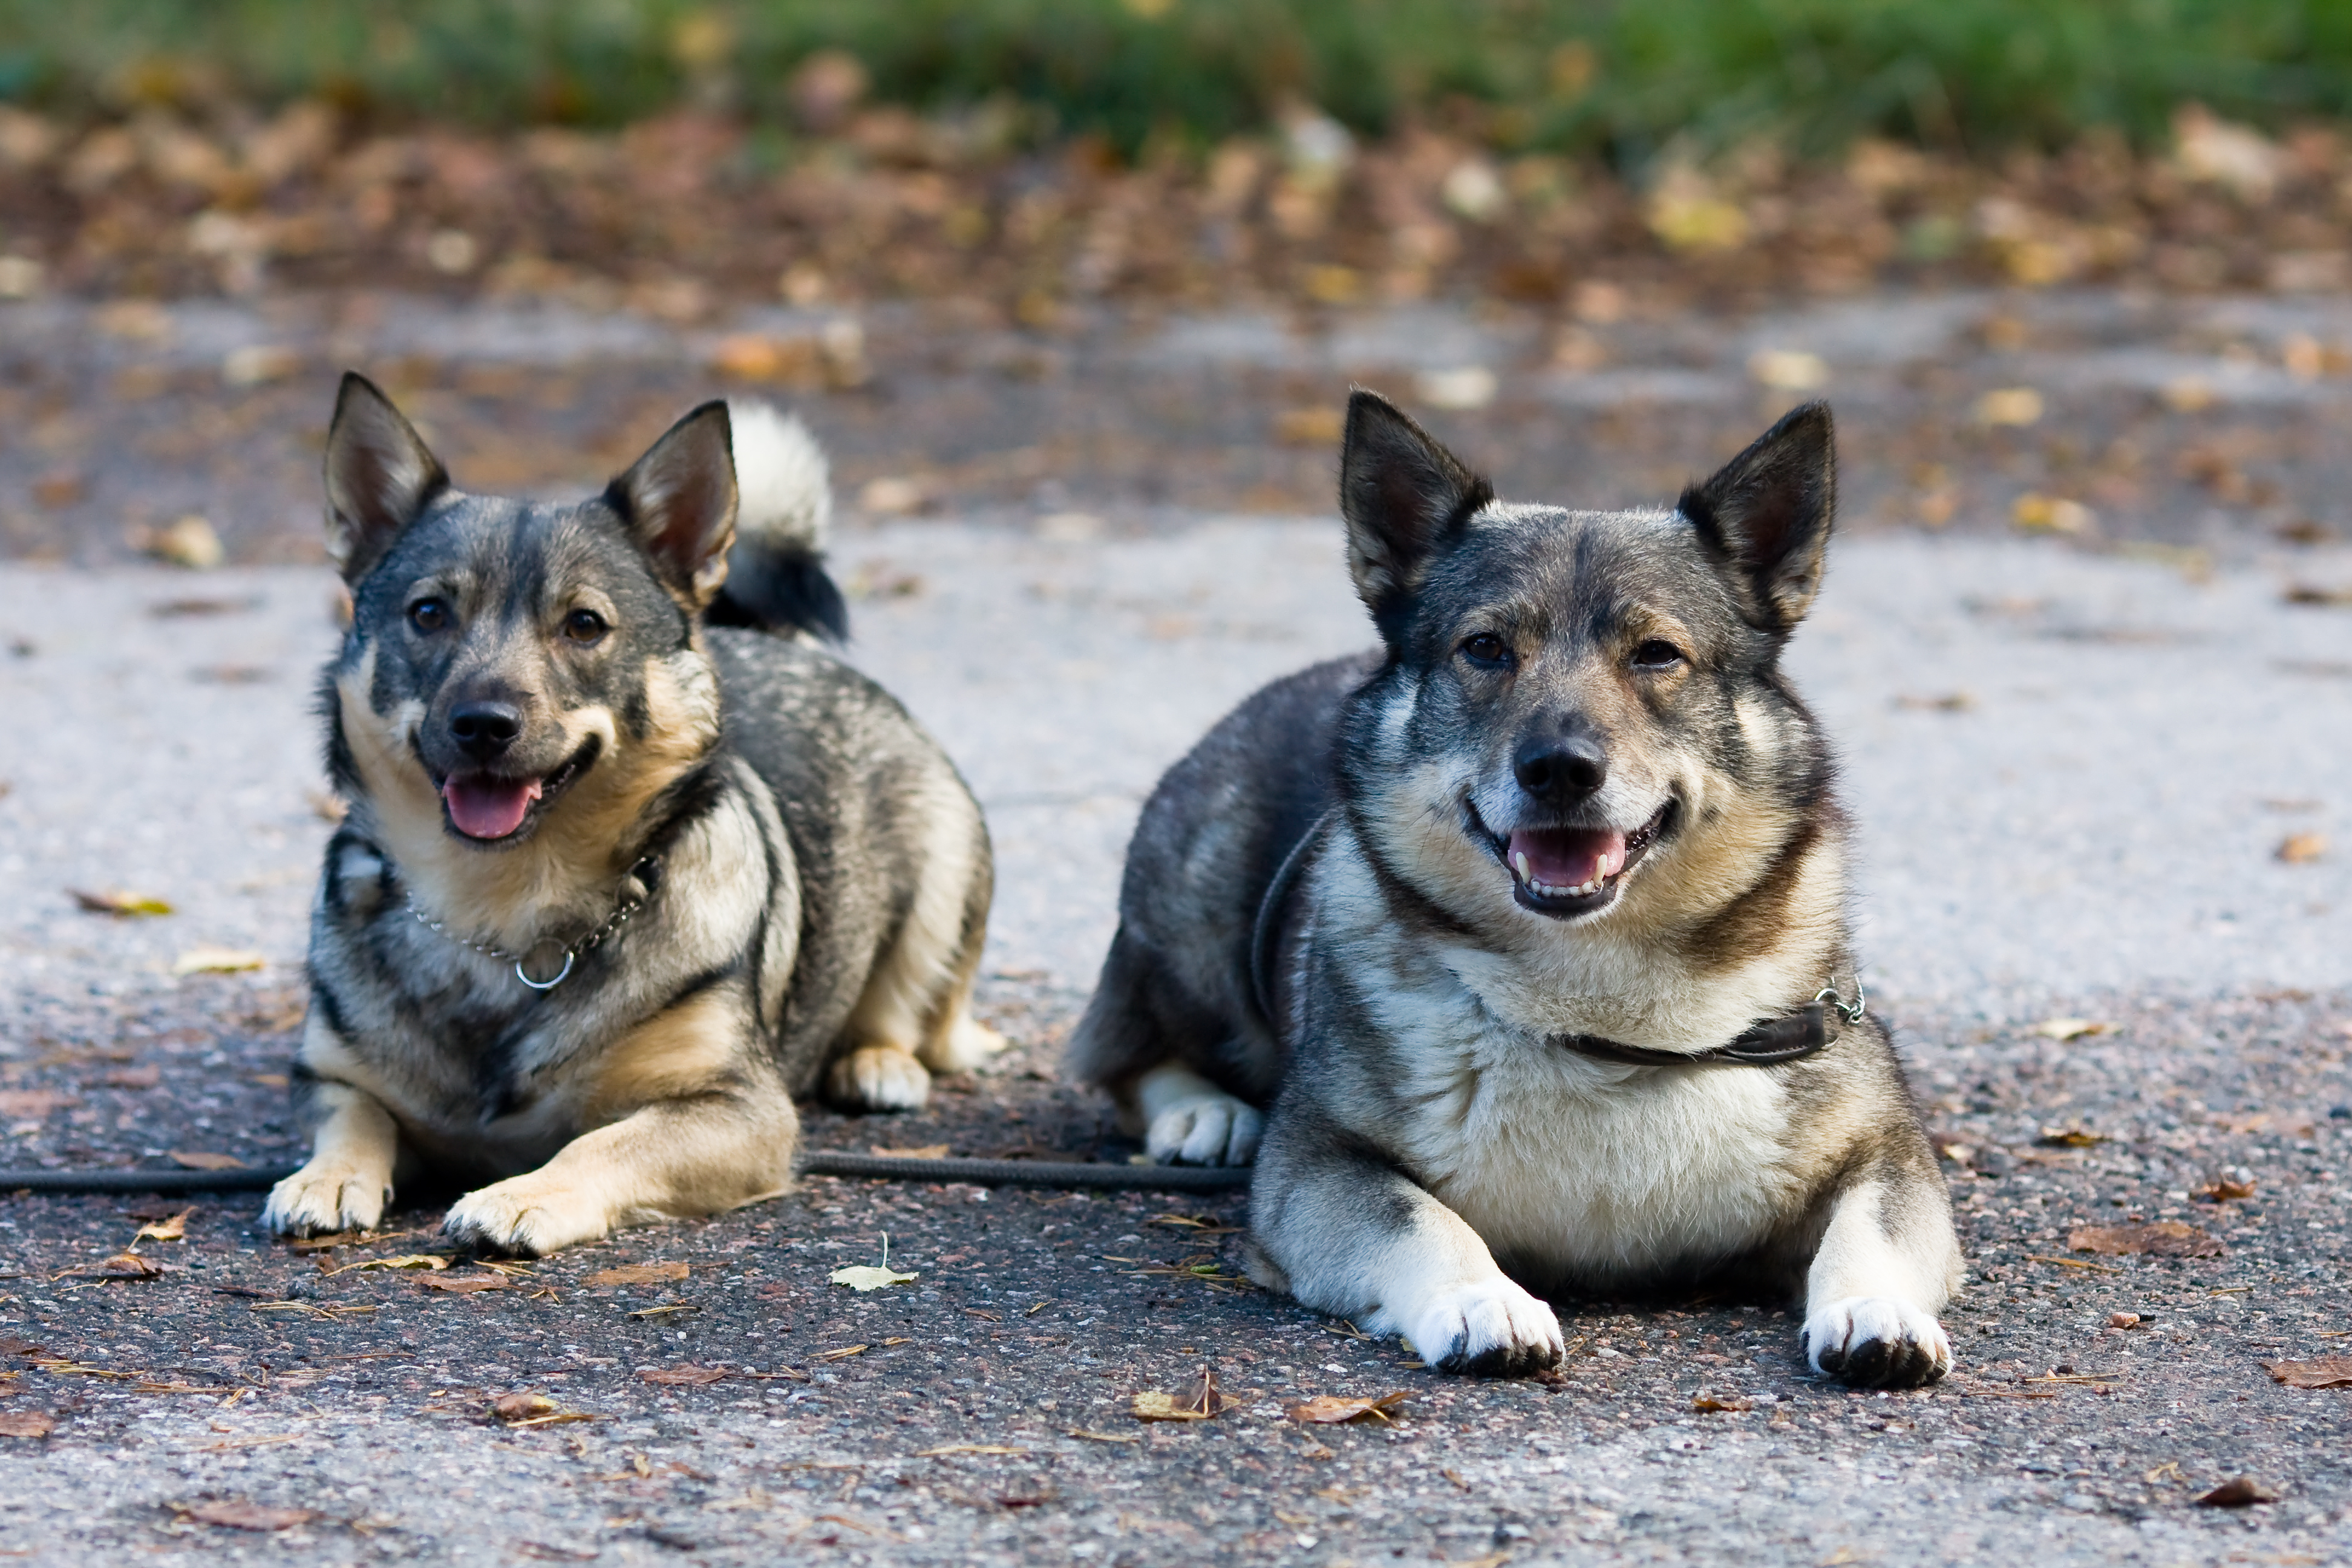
(817, 1162)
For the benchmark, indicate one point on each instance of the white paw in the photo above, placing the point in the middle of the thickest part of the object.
(320, 1200)
(1208, 1130)
(528, 1216)
(1877, 1342)
(878, 1077)
(968, 1043)
(1490, 1328)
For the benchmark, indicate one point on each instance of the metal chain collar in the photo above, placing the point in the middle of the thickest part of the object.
(1861, 998)
(645, 874)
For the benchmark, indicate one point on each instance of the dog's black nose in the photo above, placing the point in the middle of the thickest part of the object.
(1560, 769)
(484, 729)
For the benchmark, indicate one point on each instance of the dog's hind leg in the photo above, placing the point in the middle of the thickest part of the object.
(1188, 1121)
(1130, 1045)
(914, 1018)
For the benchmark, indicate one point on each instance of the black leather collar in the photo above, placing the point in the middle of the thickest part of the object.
(1812, 1027)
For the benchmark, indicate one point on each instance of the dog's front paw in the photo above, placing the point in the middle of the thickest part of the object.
(878, 1077)
(1488, 1327)
(1207, 1130)
(323, 1198)
(526, 1215)
(1877, 1342)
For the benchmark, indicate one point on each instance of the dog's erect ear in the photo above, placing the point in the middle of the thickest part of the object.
(1766, 517)
(1402, 495)
(380, 475)
(679, 501)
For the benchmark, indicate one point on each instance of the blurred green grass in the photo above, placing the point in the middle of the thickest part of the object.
(1621, 78)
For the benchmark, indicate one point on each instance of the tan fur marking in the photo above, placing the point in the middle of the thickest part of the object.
(694, 1048)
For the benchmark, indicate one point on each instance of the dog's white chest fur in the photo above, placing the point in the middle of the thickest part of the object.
(1597, 1170)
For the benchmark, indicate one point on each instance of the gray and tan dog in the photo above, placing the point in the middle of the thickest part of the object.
(631, 859)
(1523, 941)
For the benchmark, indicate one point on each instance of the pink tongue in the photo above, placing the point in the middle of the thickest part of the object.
(485, 807)
(1566, 857)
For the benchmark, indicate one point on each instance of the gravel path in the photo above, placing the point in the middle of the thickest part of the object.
(2074, 766)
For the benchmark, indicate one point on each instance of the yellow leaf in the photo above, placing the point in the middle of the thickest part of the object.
(118, 903)
(205, 1160)
(865, 1276)
(2069, 1028)
(172, 1230)
(210, 960)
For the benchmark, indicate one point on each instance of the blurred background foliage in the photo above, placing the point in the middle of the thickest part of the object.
(1623, 78)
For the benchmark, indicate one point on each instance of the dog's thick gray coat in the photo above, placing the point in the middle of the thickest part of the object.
(1572, 797)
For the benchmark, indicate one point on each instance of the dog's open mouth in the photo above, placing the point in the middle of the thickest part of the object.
(492, 808)
(1568, 871)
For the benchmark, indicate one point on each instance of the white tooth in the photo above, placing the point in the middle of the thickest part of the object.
(1521, 862)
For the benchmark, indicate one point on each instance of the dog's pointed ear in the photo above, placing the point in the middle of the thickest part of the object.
(380, 476)
(679, 501)
(1402, 495)
(1766, 517)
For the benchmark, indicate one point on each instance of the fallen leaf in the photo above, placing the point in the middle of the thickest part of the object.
(1708, 1402)
(2239, 1491)
(533, 1410)
(204, 1160)
(209, 960)
(2164, 1239)
(2301, 848)
(865, 1276)
(2011, 405)
(1200, 1400)
(928, 1152)
(134, 1078)
(2320, 1372)
(843, 1354)
(2313, 594)
(1322, 425)
(33, 1103)
(1329, 1409)
(127, 1266)
(668, 1308)
(9, 1346)
(465, 1284)
(2069, 1138)
(240, 1514)
(406, 1260)
(2222, 1189)
(119, 904)
(687, 1376)
(26, 1423)
(2071, 1028)
(637, 1274)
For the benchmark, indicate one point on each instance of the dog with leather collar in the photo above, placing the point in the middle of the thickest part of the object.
(1501, 951)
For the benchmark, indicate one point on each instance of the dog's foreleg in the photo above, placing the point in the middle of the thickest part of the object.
(1188, 1121)
(688, 1118)
(1350, 1236)
(348, 1179)
(668, 1161)
(1889, 1260)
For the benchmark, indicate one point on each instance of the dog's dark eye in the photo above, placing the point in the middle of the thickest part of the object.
(584, 626)
(1485, 649)
(429, 614)
(1656, 655)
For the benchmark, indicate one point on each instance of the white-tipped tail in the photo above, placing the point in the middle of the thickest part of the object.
(781, 480)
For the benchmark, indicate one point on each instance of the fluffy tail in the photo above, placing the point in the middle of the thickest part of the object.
(776, 580)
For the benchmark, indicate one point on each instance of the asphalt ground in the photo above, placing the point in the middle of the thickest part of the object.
(2075, 768)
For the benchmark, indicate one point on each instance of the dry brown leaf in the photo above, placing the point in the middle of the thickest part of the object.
(127, 1266)
(637, 1274)
(33, 1103)
(1199, 1399)
(122, 905)
(928, 1152)
(512, 1408)
(406, 1260)
(465, 1284)
(843, 1354)
(1330, 1409)
(2163, 1238)
(1321, 426)
(2301, 848)
(2222, 1189)
(2071, 1028)
(242, 1513)
(2320, 1372)
(175, 1228)
(1708, 1402)
(134, 1078)
(682, 1376)
(204, 1160)
(26, 1423)
(2069, 1138)
(2239, 1491)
